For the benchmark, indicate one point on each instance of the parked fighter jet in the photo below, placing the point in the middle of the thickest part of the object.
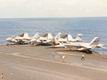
(44, 39)
(20, 39)
(82, 46)
(61, 39)
(34, 38)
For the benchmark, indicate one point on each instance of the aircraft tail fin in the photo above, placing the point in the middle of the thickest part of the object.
(26, 35)
(69, 38)
(95, 41)
(58, 35)
(78, 38)
(37, 35)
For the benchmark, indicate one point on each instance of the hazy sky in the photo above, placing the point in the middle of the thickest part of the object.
(52, 8)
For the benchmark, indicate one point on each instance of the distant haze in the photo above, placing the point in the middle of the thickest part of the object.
(52, 8)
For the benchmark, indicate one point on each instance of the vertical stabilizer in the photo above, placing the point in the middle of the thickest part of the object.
(58, 35)
(95, 41)
(69, 38)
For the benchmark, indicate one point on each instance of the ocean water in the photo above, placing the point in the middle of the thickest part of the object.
(89, 27)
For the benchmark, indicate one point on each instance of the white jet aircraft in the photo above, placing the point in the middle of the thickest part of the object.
(82, 46)
(20, 39)
(61, 39)
(34, 38)
(44, 39)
